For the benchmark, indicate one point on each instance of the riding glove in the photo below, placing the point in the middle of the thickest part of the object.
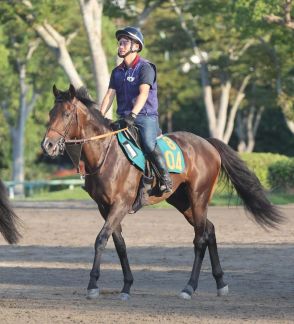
(130, 119)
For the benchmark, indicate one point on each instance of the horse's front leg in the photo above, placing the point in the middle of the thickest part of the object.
(112, 221)
(122, 254)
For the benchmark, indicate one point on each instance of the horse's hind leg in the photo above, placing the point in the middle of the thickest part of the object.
(200, 245)
(195, 211)
(217, 272)
(180, 200)
(122, 254)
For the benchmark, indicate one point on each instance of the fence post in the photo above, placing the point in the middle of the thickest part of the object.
(11, 192)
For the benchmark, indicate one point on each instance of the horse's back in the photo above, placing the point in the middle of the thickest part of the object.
(202, 160)
(192, 143)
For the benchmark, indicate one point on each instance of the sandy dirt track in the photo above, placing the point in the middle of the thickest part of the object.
(44, 278)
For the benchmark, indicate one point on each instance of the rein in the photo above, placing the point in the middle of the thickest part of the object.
(93, 138)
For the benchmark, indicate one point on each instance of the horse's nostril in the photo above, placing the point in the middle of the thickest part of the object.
(47, 145)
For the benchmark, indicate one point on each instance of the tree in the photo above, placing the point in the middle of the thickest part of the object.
(284, 18)
(220, 51)
(91, 12)
(271, 21)
(5, 145)
(25, 23)
(16, 112)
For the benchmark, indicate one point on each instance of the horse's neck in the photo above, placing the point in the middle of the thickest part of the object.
(94, 127)
(94, 151)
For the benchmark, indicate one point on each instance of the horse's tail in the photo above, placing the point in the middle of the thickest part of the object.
(247, 185)
(8, 218)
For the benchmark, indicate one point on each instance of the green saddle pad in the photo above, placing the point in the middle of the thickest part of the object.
(173, 155)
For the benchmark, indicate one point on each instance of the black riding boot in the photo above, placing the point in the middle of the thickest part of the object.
(156, 157)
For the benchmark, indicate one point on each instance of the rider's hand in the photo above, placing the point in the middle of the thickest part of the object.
(130, 119)
(116, 125)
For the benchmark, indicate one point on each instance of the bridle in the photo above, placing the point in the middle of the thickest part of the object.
(64, 133)
(63, 141)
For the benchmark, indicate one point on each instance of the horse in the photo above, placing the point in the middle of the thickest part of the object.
(8, 219)
(113, 183)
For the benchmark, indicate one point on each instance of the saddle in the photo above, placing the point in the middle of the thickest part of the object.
(130, 143)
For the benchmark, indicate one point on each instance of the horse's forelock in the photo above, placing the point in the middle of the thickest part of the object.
(62, 96)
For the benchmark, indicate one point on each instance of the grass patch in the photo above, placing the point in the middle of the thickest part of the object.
(66, 194)
(281, 198)
(275, 198)
(219, 199)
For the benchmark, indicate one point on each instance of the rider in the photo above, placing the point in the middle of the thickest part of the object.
(134, 84)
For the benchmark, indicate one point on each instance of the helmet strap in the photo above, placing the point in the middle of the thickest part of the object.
(129, 52)
(131, 49)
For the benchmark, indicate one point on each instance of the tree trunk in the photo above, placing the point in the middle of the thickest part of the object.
(92, 15)
(57, 44)
(223, 109)
(208, 101)
(232, 115)
(247, 127)
(290, 124)
(17, 134)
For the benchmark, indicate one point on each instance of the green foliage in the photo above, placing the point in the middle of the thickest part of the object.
(281, 175)
(277, 198)
(260, 163)
(249, 14)
(5, 149)
(273, 134)
(109, 40)
(277, 43)
(4, 53)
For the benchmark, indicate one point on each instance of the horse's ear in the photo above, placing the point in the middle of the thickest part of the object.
(56, 92)
(72, 91)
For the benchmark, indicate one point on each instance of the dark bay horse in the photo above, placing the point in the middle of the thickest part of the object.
(113, 182)
(8, 218)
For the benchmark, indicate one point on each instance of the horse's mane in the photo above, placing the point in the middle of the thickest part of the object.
(83, 95)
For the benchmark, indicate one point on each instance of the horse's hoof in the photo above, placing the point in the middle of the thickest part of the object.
(187, 292)
(93, 293)
(184, 295)
(124, 296)
(223, 291)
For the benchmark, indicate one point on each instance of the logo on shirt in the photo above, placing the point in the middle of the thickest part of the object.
(130, 78)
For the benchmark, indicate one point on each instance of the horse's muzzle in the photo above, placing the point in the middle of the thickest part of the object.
(53, 148)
